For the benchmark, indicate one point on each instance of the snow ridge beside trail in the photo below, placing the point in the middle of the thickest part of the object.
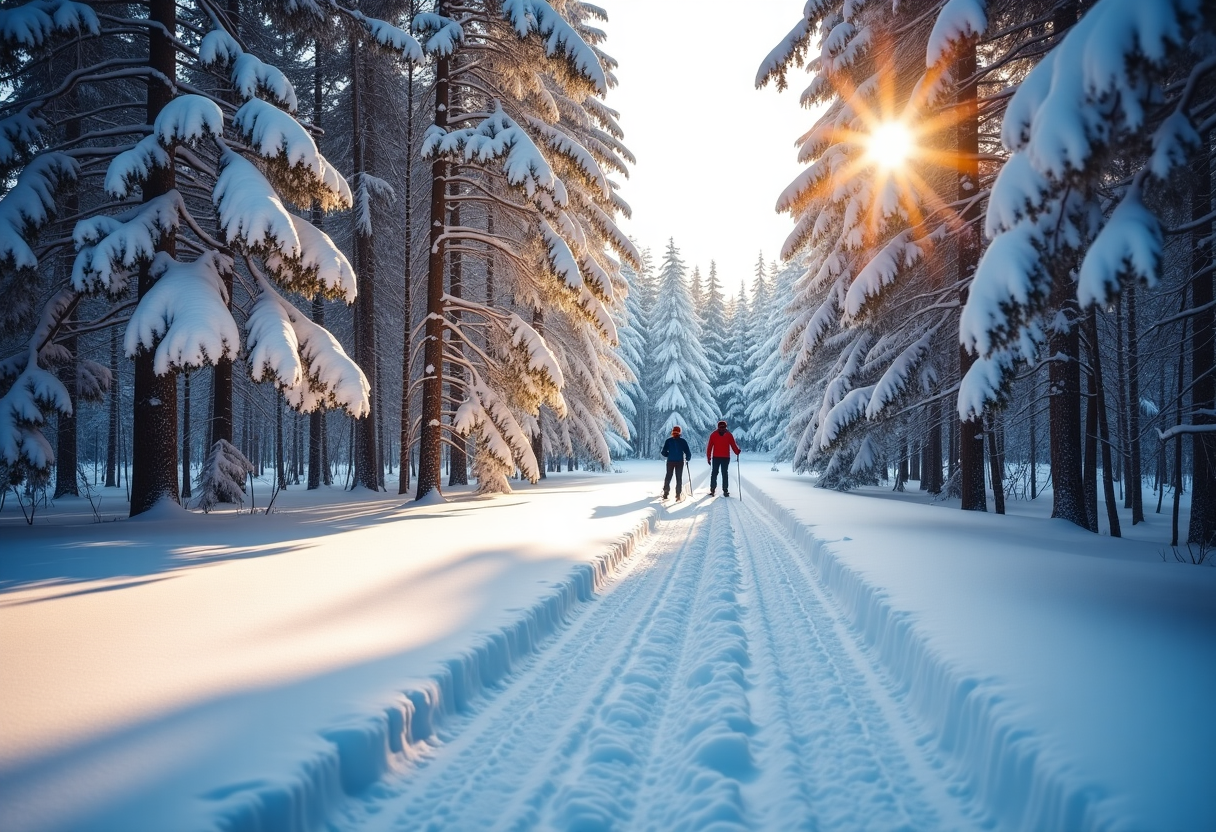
(710, 686)
(359, 753)
(999, 769)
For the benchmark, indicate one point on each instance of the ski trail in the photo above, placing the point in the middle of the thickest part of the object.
(713, 684)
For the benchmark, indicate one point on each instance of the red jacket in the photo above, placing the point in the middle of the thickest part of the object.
(721, 443)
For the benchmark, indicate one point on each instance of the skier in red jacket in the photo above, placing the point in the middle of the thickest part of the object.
(717, 454)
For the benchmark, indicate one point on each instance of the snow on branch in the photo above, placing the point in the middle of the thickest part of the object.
(1129, 245)
(29, 205)
(397, 40)
(985, 384)
(1009, 281)
(498, 136)
(958, 20)
(848, 410)
(34, 393)
(895, 380)
(882, 270)
(303, 359)
(247, 73)
(572, 150)
(250, 212)
(184, 316)
(131, 168)
(29, 26)
(528, 16)
(442, 34)
(109, 248)
(320, 267)
(18, 133)
(296, 167)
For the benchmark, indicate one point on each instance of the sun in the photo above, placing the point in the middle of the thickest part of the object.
(890, 144)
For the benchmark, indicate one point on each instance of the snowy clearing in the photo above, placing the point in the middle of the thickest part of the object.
(797, 659)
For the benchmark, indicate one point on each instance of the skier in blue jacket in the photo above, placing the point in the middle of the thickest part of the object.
(677, 452)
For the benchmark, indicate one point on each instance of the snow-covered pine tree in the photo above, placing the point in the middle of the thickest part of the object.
(633, 332)
(1120, 84)
(740, 333)
(715, 337)
(770, 400)
(685, 397)
(519, 120)
(182, 152)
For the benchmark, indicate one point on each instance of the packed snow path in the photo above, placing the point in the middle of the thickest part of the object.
(711, 685)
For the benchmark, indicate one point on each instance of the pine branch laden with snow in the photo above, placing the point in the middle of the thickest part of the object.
(35, 393)
(559, 37)
(29, 205)
(1091, 98)
(294, 165)
(222, 478)
(248, 75)
(442, 35)
(29, 27)
(302, 358)
(111, 248)
(184, 316)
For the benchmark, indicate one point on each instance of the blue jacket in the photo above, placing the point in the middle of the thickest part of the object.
(674, 447)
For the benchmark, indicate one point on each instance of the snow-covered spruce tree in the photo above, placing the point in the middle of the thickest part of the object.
(684, 397)
(181, 153)
(770, 400)
(714, 336)
(867, 294)
(740, 334)
(523, 143)
(1120, 85)
(632, 331)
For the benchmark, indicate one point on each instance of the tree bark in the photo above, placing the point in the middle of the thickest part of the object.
(318, 469)
(430, 445)
(1121, 399)
(405, 439)
(1098, 403)
(366, 467)
(971, 432)
(1202, 530)
(1089, 469)
(186, 437)
(995, 467)
(1134, 484)
(66, 456)
(458, 459)
(154, 423)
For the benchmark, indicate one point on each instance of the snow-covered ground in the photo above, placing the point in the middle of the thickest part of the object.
(795, 659)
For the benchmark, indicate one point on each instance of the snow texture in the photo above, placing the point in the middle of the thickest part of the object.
(398, 40)
(30, 204)
(184, 316)
(31, 25)
(958, 20)
(1130, 245)
(528, 16)
(110, 248)
(275, 135)
(442, 34)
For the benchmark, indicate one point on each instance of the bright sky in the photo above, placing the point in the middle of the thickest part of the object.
(713, 152)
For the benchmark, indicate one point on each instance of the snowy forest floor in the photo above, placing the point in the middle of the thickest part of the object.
(578, 655)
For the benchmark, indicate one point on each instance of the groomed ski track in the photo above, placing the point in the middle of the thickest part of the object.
(711, 685)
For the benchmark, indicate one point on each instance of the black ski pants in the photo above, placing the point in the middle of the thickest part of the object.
(674, 466)
(720, 463)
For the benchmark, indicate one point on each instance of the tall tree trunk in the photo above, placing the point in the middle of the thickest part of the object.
(112, 437)
(971, 431)
(1034, 436)
(222, 425)
(154, 426)
(186, 437)
(995, 467)
(365, 266)
(318, 469)
(430, 445)
(1134, 479)
(1177, 478)
(1098, 403)
(458, 461)
(1089, 468)
(914, 458)
(280, 460)
(1121, 399)
(66, 456)
(405, 438)
(932, 464)
(538, 439)
(1202, 529)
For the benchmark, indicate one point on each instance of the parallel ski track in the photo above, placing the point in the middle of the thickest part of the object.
(713, 684)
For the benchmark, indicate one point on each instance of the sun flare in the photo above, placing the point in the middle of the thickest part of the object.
(890, 145)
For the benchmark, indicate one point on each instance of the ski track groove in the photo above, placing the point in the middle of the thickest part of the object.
(711, 685)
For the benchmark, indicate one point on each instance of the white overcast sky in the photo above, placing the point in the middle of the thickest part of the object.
(713, 152)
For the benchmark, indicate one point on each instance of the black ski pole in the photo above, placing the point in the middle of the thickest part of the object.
(739, 474)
